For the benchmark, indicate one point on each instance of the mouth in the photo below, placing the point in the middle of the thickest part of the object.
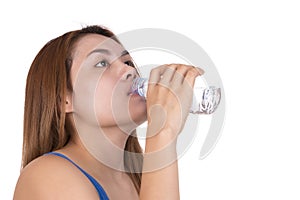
(130, 91)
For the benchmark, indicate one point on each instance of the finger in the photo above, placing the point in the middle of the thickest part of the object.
(155, 76)
(191, 75)
(179, 75)
(200, 71)
(167, 75)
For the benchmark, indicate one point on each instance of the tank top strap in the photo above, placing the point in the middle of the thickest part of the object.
(102, 194)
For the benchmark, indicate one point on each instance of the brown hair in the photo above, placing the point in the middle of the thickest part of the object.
(46, 125)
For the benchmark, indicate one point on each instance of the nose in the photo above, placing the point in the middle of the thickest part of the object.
(124, 71)
(130, 74)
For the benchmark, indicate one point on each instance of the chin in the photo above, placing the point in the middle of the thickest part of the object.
(138, 109)
(138, 116)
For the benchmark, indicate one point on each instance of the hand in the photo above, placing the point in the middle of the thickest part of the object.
(169, 97)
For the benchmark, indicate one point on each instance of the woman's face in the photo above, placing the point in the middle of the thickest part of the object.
(102, 74)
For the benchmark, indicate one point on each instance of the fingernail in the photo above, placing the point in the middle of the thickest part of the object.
(201, 71)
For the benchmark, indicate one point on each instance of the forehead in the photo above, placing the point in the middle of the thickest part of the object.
(87, 44)
(90, 42)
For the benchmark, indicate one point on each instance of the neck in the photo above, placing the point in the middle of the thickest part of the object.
(102, 150)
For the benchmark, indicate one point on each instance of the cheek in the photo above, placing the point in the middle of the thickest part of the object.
(103, 101)
(111, 102)
(114, 107)
(85, 85)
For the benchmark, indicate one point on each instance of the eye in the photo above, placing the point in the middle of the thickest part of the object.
(129, 63)
(102, 63)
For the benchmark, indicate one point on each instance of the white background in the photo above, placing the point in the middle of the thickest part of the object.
(255, 46)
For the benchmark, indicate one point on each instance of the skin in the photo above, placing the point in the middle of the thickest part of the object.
(106, 86)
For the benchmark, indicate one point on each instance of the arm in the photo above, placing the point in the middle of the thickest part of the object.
(160, 177)
(168, 101)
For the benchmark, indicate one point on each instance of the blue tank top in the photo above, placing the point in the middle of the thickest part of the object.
(102, 194)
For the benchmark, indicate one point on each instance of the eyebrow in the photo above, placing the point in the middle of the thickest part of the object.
(106, 51)
(124, 53)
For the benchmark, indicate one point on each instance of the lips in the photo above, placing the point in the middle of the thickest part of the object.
(130, 91)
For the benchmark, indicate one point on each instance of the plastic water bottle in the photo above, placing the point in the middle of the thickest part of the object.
(205, 100)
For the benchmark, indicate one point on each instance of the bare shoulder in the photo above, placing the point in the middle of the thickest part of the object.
(52, 177)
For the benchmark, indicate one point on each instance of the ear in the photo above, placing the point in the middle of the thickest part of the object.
(69, 103)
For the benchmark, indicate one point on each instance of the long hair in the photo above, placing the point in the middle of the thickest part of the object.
(46, 125)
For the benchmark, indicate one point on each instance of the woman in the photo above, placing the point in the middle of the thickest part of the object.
(80, 118)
